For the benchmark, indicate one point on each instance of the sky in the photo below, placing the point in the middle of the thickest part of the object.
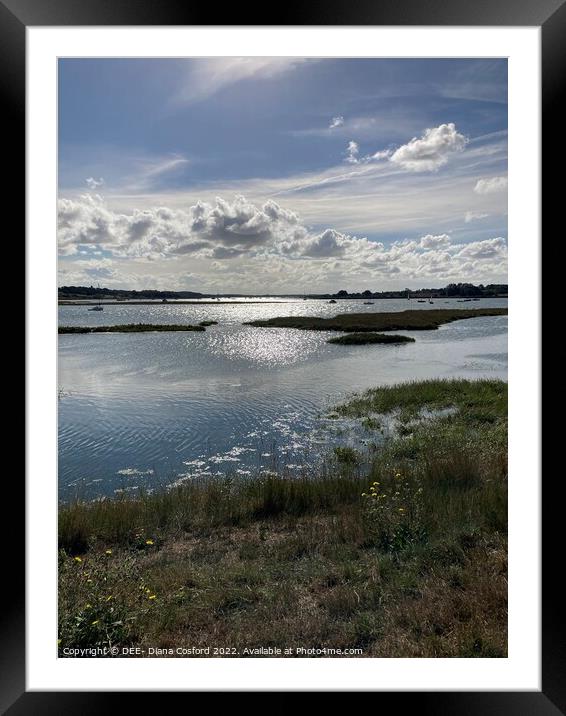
(282, 175)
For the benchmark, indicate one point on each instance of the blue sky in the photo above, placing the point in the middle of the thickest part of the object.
(256, 174)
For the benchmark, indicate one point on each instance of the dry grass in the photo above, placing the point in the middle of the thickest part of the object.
(315, 563)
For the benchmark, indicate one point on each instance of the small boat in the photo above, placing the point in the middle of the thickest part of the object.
(421, 300)
(332, 301)
(98, 306)
(368, 303)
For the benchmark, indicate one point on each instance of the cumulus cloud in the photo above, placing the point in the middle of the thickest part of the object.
(93, 183)
(86, 221)
(492, 185)
(241, 240)
(208, 76)
(431, 241)
(237, 226)
(487, 249)
(431, 151)
(425, 154)
(334, 244)
(336, 122)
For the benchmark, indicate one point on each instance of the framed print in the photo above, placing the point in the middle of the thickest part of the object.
(291, 411)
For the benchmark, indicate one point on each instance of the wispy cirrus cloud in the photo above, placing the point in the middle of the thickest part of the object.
(209, 76)
(492, 185)
(474, 216)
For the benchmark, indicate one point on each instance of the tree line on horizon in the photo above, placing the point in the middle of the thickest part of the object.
(452, 290)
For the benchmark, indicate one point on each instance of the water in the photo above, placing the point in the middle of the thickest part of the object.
(147, 410)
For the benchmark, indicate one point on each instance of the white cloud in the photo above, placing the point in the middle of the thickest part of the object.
(487, 249)
(243, 246)
(226, 228)
(378, 156)
(474, 216)
(431, 241)
(336, 122)
(492, 185)
(208, 76)
(93, 183)
(426, 154)
(430, 151)
(352, 152)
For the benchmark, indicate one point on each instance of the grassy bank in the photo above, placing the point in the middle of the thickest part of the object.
(402, 553)
(411, 320)
(359, 339)
(131, 328)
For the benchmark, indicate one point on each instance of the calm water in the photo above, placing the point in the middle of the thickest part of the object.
(146, 410)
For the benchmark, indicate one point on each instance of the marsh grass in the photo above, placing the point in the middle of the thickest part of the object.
(312, 561)
(131, 328)
(358, 339)
(410, 320)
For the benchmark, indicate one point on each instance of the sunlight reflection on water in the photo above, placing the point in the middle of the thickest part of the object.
(150, 409)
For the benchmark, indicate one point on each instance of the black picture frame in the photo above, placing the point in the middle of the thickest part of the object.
(550, 15)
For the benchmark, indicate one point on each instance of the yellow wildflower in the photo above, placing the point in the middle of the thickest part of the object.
(78, 559)
(108, 551)
(94, 622)
(152, 596)
(149, 541)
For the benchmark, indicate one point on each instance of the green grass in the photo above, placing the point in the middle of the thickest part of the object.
(360, 339)
(476, 400)
(418, 570)
(130, 328)
(411, 320)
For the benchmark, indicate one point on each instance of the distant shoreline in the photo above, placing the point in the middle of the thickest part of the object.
(155, 302)
(159, 302)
